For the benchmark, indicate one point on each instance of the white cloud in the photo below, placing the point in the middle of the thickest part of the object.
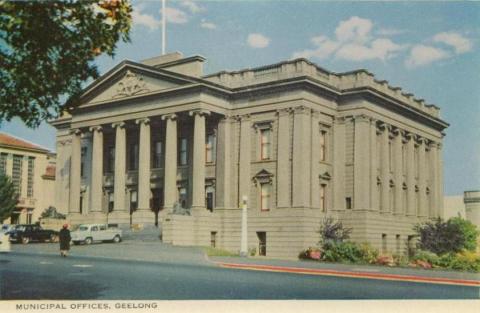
(455, 40)
(421, 55)
(354, 29)
(390, 32)
(208, 25)
(175, 16)
(354, 42)
(192, 6)
(144, 19)
(257, 40)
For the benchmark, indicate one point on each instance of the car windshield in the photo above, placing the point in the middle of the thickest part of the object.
(20, 227)
(82, 228)
(5, 227)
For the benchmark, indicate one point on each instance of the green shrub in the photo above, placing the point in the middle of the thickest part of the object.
(400, 260)
(333, 231)
(441, 237)
(427, 256)
(368, 253)
(465, 261)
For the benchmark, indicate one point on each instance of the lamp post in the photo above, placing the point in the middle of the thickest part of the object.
(244, 237)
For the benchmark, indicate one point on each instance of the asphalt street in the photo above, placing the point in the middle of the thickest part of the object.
(37, 277)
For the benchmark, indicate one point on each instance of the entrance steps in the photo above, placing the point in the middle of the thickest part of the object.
(144, 233)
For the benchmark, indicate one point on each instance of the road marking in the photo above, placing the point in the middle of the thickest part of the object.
(44, 262)
(82, 265)
(379, 276)
(365, 270)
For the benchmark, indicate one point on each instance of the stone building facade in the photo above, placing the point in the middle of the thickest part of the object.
(32, 171)
(153, 138)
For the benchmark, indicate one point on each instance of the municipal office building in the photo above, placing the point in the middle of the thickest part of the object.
(160, 143)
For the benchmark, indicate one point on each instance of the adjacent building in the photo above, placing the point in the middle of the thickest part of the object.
(160, 143)
(32, 171)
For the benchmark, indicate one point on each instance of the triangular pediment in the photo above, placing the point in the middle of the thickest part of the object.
(129, 79)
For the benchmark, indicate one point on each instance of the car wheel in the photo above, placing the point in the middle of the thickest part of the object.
(88, 241)
(53, 238)
(117, 239)
(76, 243)
(25, 240)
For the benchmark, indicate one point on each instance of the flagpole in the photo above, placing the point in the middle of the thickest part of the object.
(164, 23)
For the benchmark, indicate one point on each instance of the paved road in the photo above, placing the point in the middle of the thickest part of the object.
(52, 277)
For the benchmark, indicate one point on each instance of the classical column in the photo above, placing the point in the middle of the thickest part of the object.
(373, 166)
(301, 157)
(283, 159)
(120, 163)
(144, 164)
(223, 170)
(410, 175)
(244, 176)
(170, 183)
(385, 169)
(422, 186)
(361, 163)
(339, 164)
(96, 191)
(75, 177)
(315, 161)
(433, 166)
(398, 172)
(198, 177)
(440, 180)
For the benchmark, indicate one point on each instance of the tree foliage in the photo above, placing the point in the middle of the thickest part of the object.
(8, 197)
(51, 212)
(333, 231)
(442, 237)
(47, 50)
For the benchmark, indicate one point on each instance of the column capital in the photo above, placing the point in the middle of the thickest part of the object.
(397, 131)
(383, 127)
(243, 117)
(410, 136)
(145, 121)
(171, 116)
(95, 128)
(76, 131)
(301, 109)
(199, 112)
(118, 124)
(284, 111)
(361, 118)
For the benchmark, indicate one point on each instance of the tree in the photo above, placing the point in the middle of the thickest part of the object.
(8, 197)
(51, 212)
(333, 231)
(47, 49)
(442, 237)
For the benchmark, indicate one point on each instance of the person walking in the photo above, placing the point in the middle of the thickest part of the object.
(64, 240)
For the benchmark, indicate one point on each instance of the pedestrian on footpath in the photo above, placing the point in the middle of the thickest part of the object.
(64, 240)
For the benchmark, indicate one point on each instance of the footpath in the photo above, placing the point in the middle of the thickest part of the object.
(156, 251)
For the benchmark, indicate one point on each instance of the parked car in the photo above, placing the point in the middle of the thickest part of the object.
(89, 233)
(7, 228)
(26, 233)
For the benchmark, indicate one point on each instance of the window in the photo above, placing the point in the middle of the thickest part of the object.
(31, 168)
(102, 227)
(81, 203)
(210, 148)
(133, 166)
(213, 239)
(29, 217)
(3, 163)
(348, 203)
(183, 155)
(265, 193)
(323, 145)
(111, 199)
(384, 243)
(398, 244)
(323, 203)
(182, 196)
(111, 159)
(133, 201)
(82, 162)
(158, 155)
(94, 228)
(209, 198)
(265, 144)
(262, 243)
(17, 173)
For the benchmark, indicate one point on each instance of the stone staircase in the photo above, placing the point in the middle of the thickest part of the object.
(147, 233)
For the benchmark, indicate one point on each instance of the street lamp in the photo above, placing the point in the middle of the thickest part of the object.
(244, 237)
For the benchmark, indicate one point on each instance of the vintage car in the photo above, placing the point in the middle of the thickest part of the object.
(89, 233)
(26, 233)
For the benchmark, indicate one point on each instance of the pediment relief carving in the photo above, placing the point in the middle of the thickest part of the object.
(131, 84)
(263, 177)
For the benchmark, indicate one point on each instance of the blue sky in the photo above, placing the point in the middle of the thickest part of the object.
(430, 49)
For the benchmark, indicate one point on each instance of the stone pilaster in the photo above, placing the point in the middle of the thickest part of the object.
(198, 177)
(385, 169)
(75, 164)
(143, 214)
(120, 164)
(440, 180)
(223, 166)
(170, 183)
(433, 167)
(422, 185)
(244, 176)
(301, 157)
(339, 164)
(361, 163)
(373, 166)
(315, 161)
(398, 172)
(96, 191)
(283, 159)
(410, 205)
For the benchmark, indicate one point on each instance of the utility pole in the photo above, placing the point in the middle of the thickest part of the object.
(244, 236)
